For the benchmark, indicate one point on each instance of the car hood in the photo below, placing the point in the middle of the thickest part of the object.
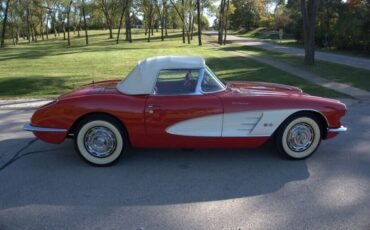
(277, 91)
(263, 88)
(93, 88)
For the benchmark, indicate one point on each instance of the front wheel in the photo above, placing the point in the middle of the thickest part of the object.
(100, 140)
(299, 137)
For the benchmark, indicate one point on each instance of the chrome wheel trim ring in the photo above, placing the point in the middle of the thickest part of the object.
(100, 141)
(300, 137)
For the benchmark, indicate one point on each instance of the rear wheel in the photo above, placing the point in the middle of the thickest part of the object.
(299, 137)
(100, 139)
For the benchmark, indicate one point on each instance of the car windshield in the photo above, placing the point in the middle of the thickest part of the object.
(211, 83)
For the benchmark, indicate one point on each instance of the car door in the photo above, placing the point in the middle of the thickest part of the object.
(178, 114)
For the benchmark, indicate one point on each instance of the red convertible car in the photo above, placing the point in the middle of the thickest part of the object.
(178, 102)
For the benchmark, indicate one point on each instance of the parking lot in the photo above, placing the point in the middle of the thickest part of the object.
(52, 187)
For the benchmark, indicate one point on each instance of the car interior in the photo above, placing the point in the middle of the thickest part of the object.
(172, 82)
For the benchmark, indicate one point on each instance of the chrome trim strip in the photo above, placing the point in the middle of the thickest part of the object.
(29, 127)
(337, 130)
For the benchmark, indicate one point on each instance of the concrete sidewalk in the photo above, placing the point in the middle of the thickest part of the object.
(356, 62)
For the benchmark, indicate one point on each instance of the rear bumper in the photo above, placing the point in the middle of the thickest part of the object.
(50, 135)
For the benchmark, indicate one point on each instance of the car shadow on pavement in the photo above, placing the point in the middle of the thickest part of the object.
(146, 177)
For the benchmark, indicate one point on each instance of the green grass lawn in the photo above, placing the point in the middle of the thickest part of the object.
(50, 68)
(352, 76)
(260, 33)
(289, 40)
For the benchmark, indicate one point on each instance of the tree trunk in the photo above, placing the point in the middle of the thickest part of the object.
(54, 26)
(221, 22)
(120, 21)
(192, 27)
(2, 43)
(13, 36)
(68, 27)
(28, 25)
(85, 23)
(149, 33)
(165, 21)
(47, 27)
(199, 24)
(17, 37)
(149, 23)
(190, 35)
(189, 28)
(162, 19)
(183, 21)
(309, 13)
(64, 30)
(226, 20)
(79, 27)
(42, 29)
(34, 34)
(110, 30)
(128, 23)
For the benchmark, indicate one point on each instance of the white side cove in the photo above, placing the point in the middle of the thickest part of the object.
(239, 124)
(207, 126)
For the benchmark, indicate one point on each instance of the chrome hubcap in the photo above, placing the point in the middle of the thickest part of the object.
(300, 137)
(100, 141)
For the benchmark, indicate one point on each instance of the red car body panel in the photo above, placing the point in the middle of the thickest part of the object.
(147, 127)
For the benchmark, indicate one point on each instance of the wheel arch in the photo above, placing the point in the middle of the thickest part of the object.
(72, 130)
(323, 123)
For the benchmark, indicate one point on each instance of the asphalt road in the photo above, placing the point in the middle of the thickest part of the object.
(52, 188)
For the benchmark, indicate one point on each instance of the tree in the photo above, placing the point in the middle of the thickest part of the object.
(309, 12)
(2, 44)
(248, 14)
(181, 15)
(83, 6)
(128, 21)
(221, 22)
(124, 8)
(108, 7)
(199, 23)
(161, 13)
(68, 26)
(148, 9)
(226, 20)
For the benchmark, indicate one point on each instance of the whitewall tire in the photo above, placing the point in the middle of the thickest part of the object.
(100, 140)
(299, 137)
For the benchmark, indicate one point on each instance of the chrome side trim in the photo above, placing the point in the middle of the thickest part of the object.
(337, 130)
(29, 127)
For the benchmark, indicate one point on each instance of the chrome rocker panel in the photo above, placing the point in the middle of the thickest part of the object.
(29, 127)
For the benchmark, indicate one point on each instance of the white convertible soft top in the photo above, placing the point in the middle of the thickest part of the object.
(142, 78)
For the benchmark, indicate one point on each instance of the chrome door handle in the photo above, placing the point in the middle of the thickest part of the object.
(152, 106)
(239, 103)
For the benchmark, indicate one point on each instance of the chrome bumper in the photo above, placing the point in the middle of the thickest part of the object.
(29, 127)
(338, 130)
